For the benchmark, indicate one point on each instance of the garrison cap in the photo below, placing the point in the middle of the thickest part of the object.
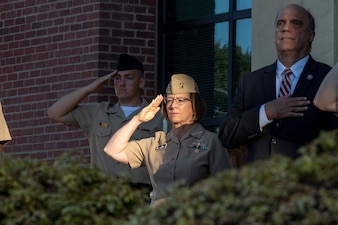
(128, 62)
(182, 83)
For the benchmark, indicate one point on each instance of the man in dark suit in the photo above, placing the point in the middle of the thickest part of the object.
(268, 120)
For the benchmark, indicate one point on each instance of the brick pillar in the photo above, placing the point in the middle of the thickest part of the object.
(49, 48)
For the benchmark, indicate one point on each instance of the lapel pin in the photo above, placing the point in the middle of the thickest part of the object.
(309, 77)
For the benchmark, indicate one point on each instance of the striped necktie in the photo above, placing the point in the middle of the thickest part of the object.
(285, 87)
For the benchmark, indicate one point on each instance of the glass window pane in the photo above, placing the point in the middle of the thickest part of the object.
(221, 68)
(243, 48)
(196, 41)
(221, 6)
(243, 4)
(187, 9)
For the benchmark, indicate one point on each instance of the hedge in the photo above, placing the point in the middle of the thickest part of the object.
(66, 192)
(279, 191)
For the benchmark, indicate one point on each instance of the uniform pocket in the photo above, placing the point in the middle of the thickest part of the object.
(103, 131)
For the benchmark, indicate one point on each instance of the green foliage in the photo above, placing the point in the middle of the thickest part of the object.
(34, 192)
(275, 192)
(279, 191)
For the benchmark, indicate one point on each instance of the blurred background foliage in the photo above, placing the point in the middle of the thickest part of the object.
(277, 192)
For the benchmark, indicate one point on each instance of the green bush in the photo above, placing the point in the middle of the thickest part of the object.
(279, 191)
(35, 192)
(275, 192)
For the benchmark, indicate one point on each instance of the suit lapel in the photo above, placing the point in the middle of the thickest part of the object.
(269, 82)
(306, 78)
(304, 83)
(269, 89)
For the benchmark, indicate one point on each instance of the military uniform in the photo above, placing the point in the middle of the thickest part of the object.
(5, 136)
(169, 161)
(99, 122)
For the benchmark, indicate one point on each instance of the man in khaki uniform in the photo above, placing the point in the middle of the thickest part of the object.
(99, 121)
(5, 136)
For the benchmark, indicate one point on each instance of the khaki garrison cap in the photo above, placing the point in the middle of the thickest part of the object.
(182, 83)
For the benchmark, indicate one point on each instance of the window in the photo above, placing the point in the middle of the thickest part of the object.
(210, 41)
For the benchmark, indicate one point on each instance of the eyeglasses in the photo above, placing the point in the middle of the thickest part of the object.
(179, 101)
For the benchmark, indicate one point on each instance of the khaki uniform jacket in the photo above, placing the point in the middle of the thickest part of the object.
(5, 136)
(170, 162)
(99, 122)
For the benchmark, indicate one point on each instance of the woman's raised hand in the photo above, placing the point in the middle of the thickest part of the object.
(148, 112)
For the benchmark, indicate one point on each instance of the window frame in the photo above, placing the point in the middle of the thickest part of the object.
(231, 17)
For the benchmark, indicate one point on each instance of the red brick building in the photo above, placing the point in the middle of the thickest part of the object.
(49, 48)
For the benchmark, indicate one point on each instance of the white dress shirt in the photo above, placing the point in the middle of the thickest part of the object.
(296, 69)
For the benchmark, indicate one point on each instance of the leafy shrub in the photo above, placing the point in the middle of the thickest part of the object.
(279, 191)
(35, 192)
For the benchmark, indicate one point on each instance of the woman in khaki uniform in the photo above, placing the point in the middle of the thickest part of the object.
(187, 154)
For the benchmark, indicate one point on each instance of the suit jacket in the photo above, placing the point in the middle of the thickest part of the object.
(285, 136)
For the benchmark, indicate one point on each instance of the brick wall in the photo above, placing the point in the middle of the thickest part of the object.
(49, 48)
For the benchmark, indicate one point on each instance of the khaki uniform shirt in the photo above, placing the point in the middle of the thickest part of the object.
(5, 136)
(99, 122)
(169, 161)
